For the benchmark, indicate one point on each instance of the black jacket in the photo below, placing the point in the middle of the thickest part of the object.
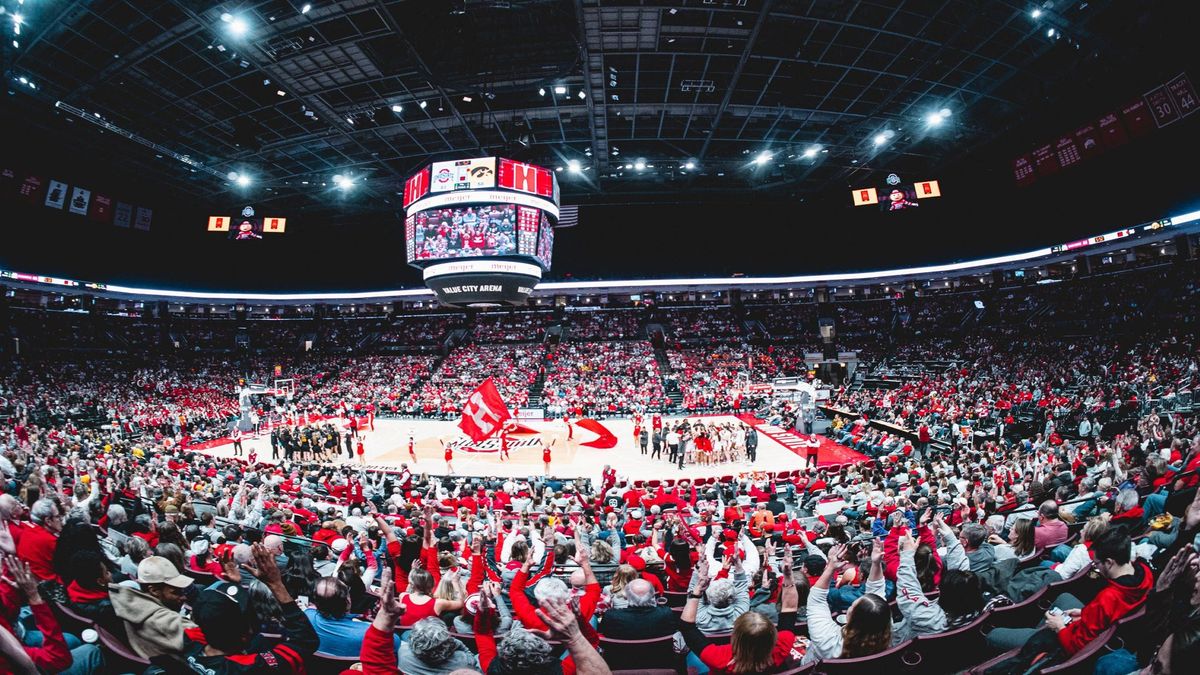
(638, 623)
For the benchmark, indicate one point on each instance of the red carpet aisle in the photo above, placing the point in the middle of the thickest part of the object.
(829, 453)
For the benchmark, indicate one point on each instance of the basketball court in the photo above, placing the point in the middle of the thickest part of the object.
(386, 448)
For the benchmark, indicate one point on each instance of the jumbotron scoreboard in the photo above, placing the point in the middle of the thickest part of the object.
(481, 229)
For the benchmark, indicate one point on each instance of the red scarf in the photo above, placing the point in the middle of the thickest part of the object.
(85, 596)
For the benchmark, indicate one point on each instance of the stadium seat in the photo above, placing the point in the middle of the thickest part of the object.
(121, 657)
(1025, 613)
(71, 621)
(1084, 661)
(675, 598)
(891, 661)
(720, 638)
(639, 654)
(202, 579)
(328, 664)
(952, 650)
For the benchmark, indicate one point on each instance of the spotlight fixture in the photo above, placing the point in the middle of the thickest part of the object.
(762, 158)
(422, 105)
(305, 8)
(884, 136)
(238, 26)
(560, 89)
(1035, 13)
(243, 180)
(573, 165)
(541, 91)
(1050, 33)
(397, 108)
(689, 165)
(811, 151)
(639, 165)
(467, 99)
(582, 95)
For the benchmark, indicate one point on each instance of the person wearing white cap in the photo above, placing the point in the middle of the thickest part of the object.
(151, 615)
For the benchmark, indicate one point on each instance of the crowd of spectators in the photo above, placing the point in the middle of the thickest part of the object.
(717, 377)
(1036, 542)
(520, 326)
(602, 378)
(418, 330)
(699, 323)
(513, 368)
(614, 324)
(177, 558)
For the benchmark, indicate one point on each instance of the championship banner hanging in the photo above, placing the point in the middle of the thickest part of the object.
(80, 198)
(484, 412)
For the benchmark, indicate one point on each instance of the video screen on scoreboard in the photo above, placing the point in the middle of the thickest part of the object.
(898, 198)
(464, 232)
(545, 242)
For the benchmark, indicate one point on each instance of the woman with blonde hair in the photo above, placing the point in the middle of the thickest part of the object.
(1080, 557)
(452, 592)
(615, 591)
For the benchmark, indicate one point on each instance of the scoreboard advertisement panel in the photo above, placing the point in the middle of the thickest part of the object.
(465, 232)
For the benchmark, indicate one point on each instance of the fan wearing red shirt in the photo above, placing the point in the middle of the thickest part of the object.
(1128, 583)
(750, 628)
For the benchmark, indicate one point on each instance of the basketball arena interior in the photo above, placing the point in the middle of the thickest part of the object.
(599, 336)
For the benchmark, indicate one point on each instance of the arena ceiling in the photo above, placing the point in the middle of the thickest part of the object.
(373, 89)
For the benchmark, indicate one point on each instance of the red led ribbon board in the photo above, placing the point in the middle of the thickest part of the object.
(527, 178)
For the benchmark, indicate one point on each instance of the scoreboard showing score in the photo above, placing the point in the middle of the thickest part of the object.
(897, 196)
(481, 229)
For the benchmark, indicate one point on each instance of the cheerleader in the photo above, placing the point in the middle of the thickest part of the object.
(412, 442)
(359, 449)
(503, 444)
(546, 455)
(449, 455)
(570, 429)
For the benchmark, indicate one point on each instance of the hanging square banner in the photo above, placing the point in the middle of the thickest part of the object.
(101, 209)
(80, 198)
(123, 215)
(142, 220)
(276, 225)
(865, 197)
(56, 196)
(218, 223)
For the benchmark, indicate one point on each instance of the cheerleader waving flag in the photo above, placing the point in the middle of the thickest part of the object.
(484, 412)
